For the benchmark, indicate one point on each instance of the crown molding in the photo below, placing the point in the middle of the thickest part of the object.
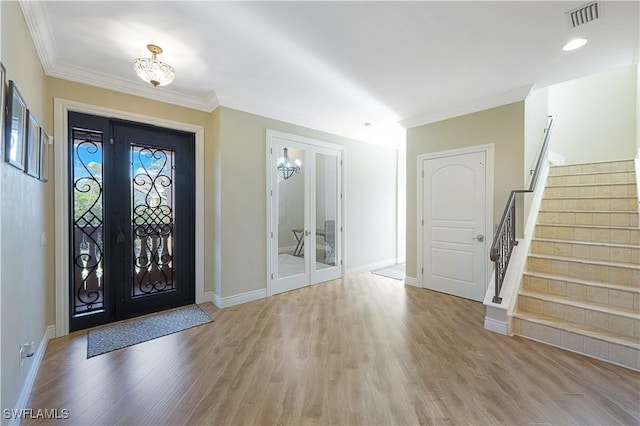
(504, 98)
(106, 81)
(39, 25)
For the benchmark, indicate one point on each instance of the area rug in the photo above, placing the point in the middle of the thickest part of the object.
(394, 271)
(131, 332)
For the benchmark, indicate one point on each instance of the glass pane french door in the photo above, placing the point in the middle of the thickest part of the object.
(133, 222)
(305, 211)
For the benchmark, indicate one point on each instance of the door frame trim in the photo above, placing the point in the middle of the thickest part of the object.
(61, 109)
(270, 134)
(488, 149)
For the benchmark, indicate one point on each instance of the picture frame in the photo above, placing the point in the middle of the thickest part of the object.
(32, 149)
(3, 105)
(45, 147)
(16, 121)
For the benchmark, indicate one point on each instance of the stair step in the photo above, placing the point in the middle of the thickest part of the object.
(591, 190)
(584, 340)
(611, 272)
(592, 178)
(586, 305)
(598, 218)
(593, 167)
(596, 317)
(590, 233)
(583, 289)
(593, 204)
(626, 253)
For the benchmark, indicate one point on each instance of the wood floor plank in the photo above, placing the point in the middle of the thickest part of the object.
(364, 350)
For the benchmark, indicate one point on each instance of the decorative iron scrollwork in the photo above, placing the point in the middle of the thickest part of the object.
(152, 220)
(87, 229)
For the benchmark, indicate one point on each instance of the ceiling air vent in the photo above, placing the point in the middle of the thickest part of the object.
(583, 15)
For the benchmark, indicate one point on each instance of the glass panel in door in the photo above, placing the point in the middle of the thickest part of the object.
(326, 210)
(290, 193)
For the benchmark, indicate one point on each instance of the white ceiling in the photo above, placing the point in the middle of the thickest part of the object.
(333, 66)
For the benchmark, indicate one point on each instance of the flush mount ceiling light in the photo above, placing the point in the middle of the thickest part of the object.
(574, 44)
(152, 70)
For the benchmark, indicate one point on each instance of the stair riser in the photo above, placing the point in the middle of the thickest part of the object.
(613, 323)
(613, 298)
(601, 349)
(596, 235)
(586, 251)
(592, 219)
(626, 276)
(592, 204)
(609, 166)
(606, 178)
(620, 190)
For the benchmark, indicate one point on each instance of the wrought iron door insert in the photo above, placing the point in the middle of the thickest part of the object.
(132, 223)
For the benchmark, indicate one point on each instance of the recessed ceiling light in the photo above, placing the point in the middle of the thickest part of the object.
(367, 124)
(574, 44)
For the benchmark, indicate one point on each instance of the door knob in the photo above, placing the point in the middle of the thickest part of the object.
(480, 238)
(306, 232)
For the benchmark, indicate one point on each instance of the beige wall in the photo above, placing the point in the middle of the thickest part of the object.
(370, 193)
(502, 126)
(597, 116)
(25, 281)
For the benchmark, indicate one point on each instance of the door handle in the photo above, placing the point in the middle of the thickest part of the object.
(306, 232)
(480, 238)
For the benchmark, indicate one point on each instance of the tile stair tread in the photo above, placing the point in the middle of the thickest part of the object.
(572, 225)
(592, 332)
(586, 261)
(580, 185)
(576, 303)
(587, 211)
(593, 172)
(592, 197)
(587, 243)
(590, 283)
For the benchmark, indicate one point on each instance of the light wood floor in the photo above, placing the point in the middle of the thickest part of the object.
(365, 350)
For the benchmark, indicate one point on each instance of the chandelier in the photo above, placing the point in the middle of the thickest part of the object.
(152, 70)
(285, 168)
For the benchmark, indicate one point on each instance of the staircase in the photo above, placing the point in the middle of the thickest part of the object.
(581, 288)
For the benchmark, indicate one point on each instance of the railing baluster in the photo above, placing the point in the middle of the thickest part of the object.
(505, 238)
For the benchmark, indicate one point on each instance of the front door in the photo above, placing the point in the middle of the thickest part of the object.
(133, 224)
(305, 207)
(454, 211)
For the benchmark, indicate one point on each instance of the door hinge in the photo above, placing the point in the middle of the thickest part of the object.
(340, 261)
(341, 195)
(422, 222)
(341, 229)
(423, 173)
(271, 276)
(111, 141)
(341, 162)
(271, 192)
(272, 234)
(422, 271)
(271, 150)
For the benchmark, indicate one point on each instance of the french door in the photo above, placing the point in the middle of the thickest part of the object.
(132, 226)
(305, 205)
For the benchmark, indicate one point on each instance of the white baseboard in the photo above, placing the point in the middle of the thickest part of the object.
(208, 296)
(238, 299)
(496, 326)
(414, 282)
(33, 364)
(374, 265)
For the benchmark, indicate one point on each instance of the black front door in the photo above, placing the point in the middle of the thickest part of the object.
(132, 227)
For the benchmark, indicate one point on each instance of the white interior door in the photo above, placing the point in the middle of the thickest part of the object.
(305, 206)
(454, 232)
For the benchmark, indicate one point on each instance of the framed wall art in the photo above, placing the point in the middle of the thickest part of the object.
(32, 160)
(3, 104)
(16, 121)
(45, 147)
